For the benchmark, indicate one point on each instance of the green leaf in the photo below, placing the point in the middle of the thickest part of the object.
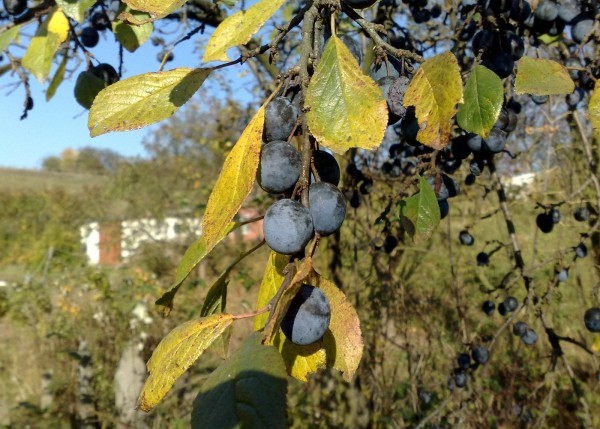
(248, 391)
(42, 48)
(143, 100)
(423, 212)
(75, 9)
(547, 39)
(133, 36)
(237, 29)
(156, 8)
(192, 257)
(235, 181)
(272, 280)
(434, 90)
(347, 108)
(8, 36)
(216, 298)
(87, 87)
(176, 353)
(58, 78)
(538, 76)
(483, 98)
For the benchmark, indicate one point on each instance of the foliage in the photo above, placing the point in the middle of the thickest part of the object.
(403, 148)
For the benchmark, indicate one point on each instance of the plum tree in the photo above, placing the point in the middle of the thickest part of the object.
(279, 167)
(287, 227)
(307, 318)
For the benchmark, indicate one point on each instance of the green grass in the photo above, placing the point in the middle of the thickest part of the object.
(17, 180)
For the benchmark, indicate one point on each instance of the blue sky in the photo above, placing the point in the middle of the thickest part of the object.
(61, 123)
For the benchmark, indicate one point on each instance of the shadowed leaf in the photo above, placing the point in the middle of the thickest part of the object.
(538, 76)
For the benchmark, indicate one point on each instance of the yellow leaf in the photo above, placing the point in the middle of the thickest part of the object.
(176, 353)
(345, 342)
(42, 48)
(144, 99)
(539, 76)
(594, 110)
(156, 8)
(235, 181)
(59, 25)
(272, 280)
(434, 90)
(238, 28)
(300, 360)
(347, 108)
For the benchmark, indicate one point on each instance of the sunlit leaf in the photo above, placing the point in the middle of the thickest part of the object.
(8, 36)
(539, 76)
(237, 29)
(300, 361)
(423, 212)
(347, 108)
(176, 353)
(343, 342)
(75, 9)
(58, 78)
(272, 279)
(594, 108)
(484, 95)
(133, 36)
(235, 181)
(46, 41)
(143, 100)
(156, 8)
(434, 90)
(248, 390)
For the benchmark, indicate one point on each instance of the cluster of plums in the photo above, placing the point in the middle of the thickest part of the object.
(468, 362)
(90, 35)
(288, 225)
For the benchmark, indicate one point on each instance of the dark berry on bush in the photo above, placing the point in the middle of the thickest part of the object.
(287, 227)
(279, 167)
(480, 354)
(327, 207)
(581, 214)
(308, 316)
(488, 307)
(591, 319)
(529, 337)
(519, 328)
(483, 259)
(544, 222)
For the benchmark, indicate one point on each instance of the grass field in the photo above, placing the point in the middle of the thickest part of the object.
(14, 180)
